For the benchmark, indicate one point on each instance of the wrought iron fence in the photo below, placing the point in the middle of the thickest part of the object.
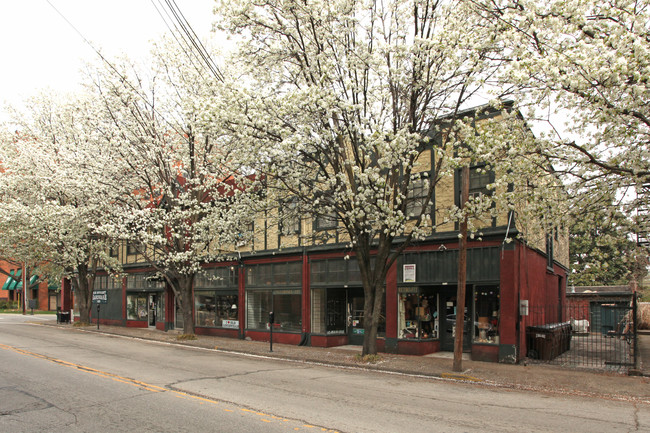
(599, 335)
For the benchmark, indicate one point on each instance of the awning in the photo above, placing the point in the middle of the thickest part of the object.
(12, 280)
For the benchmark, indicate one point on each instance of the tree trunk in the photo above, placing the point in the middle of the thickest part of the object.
(83, 293)
(185, 286)
(369, 328)
(371, 316)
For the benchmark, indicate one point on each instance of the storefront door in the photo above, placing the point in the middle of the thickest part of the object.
(355, 316)
(449, 309)
(153, 301)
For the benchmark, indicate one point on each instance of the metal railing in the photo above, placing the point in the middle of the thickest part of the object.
(600, 335)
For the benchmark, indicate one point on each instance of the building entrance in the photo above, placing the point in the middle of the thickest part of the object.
(153, 310)
(449, 309)
(355, 316)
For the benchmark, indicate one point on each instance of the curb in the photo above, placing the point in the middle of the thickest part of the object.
(376, 368)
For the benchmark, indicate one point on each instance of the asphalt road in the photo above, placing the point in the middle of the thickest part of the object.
(62, 379)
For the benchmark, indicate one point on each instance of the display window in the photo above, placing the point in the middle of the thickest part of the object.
(136, 307)
(417, 314)
(214, 309)
(285, 304)
(486, 308)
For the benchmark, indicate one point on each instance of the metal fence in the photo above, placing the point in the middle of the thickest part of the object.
(598, 335)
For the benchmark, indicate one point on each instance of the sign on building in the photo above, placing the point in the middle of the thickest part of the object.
(100, 296)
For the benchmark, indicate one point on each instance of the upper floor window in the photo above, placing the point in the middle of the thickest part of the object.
(479, 179)
(131, 248)
(417, 194)
(289, 218)
(325, 222)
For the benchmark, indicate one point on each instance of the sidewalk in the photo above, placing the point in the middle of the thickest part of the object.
(540, 378)
(643, 339)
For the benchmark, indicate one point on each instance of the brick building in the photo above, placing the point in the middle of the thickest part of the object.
(314, 286)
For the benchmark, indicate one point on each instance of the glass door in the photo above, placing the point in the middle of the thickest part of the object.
(355, 316)
(449, 309)
(153, 307)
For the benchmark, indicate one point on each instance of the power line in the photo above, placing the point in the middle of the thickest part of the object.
(190, 55)
(113, 68)
(189, 36)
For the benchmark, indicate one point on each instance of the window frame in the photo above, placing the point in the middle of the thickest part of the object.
(320, 219)
(292, 221)
(415, 194)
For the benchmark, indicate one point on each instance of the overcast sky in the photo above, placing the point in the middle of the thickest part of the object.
(41, 50)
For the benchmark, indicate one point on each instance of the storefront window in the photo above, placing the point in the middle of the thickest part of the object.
(328, 311)
(216, 309)
(272, 274)
(285, 303)
(417, 314)
(486, 306)
(136, 306)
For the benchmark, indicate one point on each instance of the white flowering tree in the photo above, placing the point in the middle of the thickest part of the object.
(582, 68)
(342, 101)
(53, 191)
(188, 199)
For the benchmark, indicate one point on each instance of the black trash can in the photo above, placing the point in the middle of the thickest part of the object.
(63, 317)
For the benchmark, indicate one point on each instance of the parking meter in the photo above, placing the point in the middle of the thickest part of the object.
(271, 320)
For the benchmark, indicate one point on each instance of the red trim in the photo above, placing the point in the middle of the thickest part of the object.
(336, 255)
(331, 341)
(219, 332)
(278, 337)
(242, 300)
(306, 295)
(277, 259)
(508, 298)
(417, 347)
(451, 245)
(391, 302)
(111, 322)
(485, 352)
(220, 264)
(137, 324)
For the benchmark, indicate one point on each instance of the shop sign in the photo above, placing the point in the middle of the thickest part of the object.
(230, 324)
(407, 290)
(409, 273)
(358, 331)
(100, 296)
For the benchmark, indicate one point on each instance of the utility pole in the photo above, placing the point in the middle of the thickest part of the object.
(462, 273)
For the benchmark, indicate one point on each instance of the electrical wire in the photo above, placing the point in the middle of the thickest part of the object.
(189, 36)
(193, 58)
(114, 69)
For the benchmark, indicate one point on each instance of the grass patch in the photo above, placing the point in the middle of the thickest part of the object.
(186, 337)
(79, 324)
(368, 359)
